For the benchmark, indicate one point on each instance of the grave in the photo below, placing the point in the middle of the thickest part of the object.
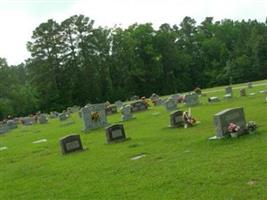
(119, 104)
(138, 105)
(176, 97)
(156, 100)
(176, 119)
(53, 115)
(225, 117)
(213, 99)
(11, 124)
(63, 116)
(249, 84)
(42, 119)
(70, 143)
(242, 92)
(4, 128)
(115, 133)
(94, 116)
(111, 109)
(228, 92)
(126, 112)
(191, 99)
(27, 121)
(134, 98)
(170, 104)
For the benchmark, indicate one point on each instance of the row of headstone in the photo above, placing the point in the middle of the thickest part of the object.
(73, 143)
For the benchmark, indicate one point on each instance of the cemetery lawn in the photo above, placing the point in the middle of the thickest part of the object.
(179, 163)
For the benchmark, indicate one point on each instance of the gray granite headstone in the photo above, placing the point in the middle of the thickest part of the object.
(4, 128)
(27, 121)
(170, 104)
(138, 105)
(229, 90)
(176, 119)
(119, 104)
(94, 116)
(249, 84)
(115, 133)
(63, 116)
(42, 119)
(191, 99)
(11, 124)
(225, 117)
(126, 112)
(70, 143)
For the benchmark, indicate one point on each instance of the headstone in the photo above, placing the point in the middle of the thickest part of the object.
(213, 99)
(191, 99)
(225, 117)
(94, 116)
(228, 92)
(4, 128)
(134, 98)
(115, 133)
(70, 143)
(156, 100)
(139, 105)
(111, 109)
(63, 116)
(119, 104)
(249, 84)
(53, 115)
(11, 124)
(170, 104)
(243, 92)
(27, 121)
(42, 119)
(176, 97)
(176, 119)
(126, 112)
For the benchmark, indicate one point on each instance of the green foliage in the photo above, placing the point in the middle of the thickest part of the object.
(74, 62)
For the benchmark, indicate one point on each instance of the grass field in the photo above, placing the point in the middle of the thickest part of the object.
(179, 163)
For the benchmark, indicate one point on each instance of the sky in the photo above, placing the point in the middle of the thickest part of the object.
(18, 18)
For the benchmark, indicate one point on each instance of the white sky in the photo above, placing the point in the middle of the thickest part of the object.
(18, 18)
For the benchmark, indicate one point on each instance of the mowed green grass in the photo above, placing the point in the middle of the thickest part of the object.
(179, 163)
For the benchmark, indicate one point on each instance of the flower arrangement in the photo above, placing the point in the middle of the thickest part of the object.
(233, 128)
(251, 126)
(95, 116)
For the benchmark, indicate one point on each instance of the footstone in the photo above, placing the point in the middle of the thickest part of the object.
(213, 99)
(115, 133)
(70, 143)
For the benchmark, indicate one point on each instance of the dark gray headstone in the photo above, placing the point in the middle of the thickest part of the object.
(63, 116)
(42, 119)
(243, 92)
(70, 143)
(225, 117)
(115, 133)
(176, 119)
(28, 121)
(11, 124)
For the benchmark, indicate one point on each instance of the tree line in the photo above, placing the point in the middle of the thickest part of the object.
(74, 62)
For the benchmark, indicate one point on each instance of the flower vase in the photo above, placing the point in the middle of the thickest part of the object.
(234, 135)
